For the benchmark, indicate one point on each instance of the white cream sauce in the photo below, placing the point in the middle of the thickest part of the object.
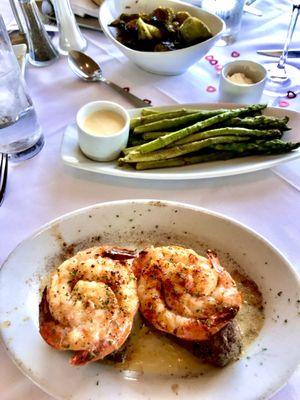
(240, 79)
(103, 123)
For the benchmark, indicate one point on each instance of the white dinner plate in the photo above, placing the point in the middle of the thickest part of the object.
(265, 367)
(72, 156)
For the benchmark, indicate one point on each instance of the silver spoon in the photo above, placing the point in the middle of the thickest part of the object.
(86, 68)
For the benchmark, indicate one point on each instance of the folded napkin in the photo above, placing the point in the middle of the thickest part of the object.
(86, 7)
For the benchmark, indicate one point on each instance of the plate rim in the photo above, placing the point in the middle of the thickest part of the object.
(179, 176)
(150, 202)
(26, 371)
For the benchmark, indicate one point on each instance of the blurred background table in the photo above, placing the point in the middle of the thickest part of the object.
(43, 188)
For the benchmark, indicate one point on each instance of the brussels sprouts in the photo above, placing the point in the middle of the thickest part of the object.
(193, 29)
(161, 30)
(181, 16)
(147, 31)
(163, 15)
(123, 19)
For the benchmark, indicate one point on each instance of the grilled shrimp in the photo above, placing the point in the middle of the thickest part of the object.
(184, 294)
(90, 303)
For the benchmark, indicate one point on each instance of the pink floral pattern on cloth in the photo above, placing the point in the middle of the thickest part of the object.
(283, 103)
(235, 54)
(210, 89)
(215, 63)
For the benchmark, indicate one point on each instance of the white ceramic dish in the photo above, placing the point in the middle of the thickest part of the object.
(233, 92)
(97, 147)
(252, 378)
(72, 156)
(163, 63)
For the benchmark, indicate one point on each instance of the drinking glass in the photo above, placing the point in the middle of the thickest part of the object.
(20, 133)
(282, 76)
(231, 12)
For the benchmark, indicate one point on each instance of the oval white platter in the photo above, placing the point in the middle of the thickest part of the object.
(72, 156)
(265, 367)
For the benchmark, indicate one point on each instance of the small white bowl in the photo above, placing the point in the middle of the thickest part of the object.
(102, 148)
(167, 62)
(232, 92)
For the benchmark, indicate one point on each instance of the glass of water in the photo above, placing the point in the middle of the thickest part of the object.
(20, 133)
(231, 12)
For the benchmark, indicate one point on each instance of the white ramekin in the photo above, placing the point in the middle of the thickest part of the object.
(102, 148)
(231, 92)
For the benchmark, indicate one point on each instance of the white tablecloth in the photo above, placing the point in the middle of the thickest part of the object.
(43, 188)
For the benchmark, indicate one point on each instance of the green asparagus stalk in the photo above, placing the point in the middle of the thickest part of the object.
(258, 122)
(172, 162)
(180, 150)
(275, 146)
(261, 121)
(270, 134)
(225, 152)
(135, 122)
(148, 111)
(180, 161)
(172, 137)
(156, 115)
(256, 133)
(153, 135)
(176, 122)
(128, 150)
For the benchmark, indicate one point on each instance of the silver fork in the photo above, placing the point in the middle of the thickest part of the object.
(3, 176)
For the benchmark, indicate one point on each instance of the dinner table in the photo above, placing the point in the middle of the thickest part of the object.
(43, 188)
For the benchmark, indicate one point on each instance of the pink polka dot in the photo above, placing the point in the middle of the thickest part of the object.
(211, 89)
(213, 62)
(209, 57)
(284, 103)
(235, 54)
(218, 68)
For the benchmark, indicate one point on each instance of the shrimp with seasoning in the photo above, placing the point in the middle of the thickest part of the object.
(90, 303)
(185, 294)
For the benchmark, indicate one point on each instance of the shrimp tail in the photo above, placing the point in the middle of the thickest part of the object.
(119, 254)
(214, 260)
(49, 328)
(83, 357)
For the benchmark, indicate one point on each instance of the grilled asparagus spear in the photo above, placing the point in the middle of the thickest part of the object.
(261, 121)
(180, 150)
(256, 133)
(158, 116)
(224, 151)
(153, 135)
(188, 160)
(171, 120)
(275, 146)
(172, 137)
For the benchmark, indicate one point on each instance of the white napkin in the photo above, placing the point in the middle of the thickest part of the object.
(85, 7)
